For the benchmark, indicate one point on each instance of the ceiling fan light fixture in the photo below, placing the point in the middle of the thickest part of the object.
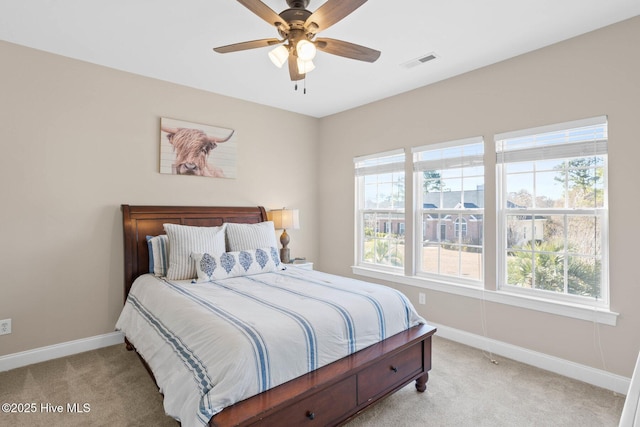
(297, 28)
(305, 66)
(279, 56)
(306, 50)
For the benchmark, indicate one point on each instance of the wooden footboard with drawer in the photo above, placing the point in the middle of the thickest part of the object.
(335, 393)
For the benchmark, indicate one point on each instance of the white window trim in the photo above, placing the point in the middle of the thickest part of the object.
(580, 310)
(447, 144)
(600, 120)
(374, 169)
(558, 151)
(576, 311)
(418, 210)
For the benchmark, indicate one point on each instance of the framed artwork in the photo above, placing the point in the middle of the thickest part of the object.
(196, 149)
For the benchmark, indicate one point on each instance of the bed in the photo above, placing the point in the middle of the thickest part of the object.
(333, 389)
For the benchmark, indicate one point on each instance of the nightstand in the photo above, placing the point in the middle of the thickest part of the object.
(307, 265)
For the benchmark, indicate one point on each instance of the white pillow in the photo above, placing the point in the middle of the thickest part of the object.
(240, 263)
(243, 237)
(158, 254)
(184, 239)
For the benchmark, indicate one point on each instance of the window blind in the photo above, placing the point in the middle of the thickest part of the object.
(385, 162)
(582, 138)
(467, 152)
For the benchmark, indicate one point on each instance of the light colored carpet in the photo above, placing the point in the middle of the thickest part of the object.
(464, 389)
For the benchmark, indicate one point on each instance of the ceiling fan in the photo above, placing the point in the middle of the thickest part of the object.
(298, 28)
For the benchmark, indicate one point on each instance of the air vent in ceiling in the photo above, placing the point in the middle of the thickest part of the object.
(421, 60)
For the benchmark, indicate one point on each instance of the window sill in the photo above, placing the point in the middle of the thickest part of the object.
(576, 311)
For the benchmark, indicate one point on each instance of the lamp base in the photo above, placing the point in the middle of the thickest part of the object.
(284, 256)
(284, 252)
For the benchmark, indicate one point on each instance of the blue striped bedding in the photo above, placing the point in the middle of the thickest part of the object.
(211, 345)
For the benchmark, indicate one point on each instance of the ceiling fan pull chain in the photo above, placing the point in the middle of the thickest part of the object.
(305, 85)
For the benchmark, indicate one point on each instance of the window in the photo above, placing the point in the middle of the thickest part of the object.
(461, 227)
(449, 197)
(380, 210)
(552, 211)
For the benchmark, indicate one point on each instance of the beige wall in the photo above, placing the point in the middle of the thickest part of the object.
(77, 141)
(592, 75)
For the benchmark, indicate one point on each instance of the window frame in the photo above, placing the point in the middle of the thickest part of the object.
(560, 152)
(368, 168)
(485, 291)
(419, 167)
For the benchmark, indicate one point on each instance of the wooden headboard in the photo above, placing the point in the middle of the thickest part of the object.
(142, 221)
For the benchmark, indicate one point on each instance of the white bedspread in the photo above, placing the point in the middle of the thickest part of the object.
(210, 345)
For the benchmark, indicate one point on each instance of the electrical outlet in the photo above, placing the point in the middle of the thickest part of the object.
(5, 326)
(422, 298)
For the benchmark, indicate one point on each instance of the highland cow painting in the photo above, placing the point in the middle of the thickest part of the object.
(196, 149)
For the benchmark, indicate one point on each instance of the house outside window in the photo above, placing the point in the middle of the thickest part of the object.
(552, 211)
(380, 186)
(461, 227)
(449, 197)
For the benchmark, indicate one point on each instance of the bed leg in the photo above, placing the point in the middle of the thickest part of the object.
(421, 382)
(128, 345)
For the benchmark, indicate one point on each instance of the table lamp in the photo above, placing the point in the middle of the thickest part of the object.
(284, 219)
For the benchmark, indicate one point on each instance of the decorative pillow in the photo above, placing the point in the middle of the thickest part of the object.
(239, 263)
(243, 237)
(184, 239)
(158, 254)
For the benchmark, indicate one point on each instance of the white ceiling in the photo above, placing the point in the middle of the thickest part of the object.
(173, 40)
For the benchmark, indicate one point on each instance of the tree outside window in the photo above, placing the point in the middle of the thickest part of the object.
(554, 211)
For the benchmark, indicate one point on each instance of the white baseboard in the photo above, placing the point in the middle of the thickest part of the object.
(587, 374)
(42, 354)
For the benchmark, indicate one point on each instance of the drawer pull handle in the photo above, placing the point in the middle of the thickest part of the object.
(311, 415)
(394, 369)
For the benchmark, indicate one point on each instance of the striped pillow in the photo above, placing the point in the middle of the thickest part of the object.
(184, 239)
(246, 237)
(158, 254)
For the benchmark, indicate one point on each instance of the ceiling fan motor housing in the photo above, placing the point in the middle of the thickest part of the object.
(298, 3)
(295, 17)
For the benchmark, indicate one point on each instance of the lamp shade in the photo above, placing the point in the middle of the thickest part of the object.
(279, 56)
(306, 50)
(305, 66)
(284, 219)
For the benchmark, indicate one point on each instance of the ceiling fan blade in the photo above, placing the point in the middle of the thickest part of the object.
(348, 50)
(265, 12)
(331, 12)
(247, 45)
(293, 68)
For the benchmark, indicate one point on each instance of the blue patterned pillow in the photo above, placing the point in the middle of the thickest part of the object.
(231, 264)
(158, 254)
